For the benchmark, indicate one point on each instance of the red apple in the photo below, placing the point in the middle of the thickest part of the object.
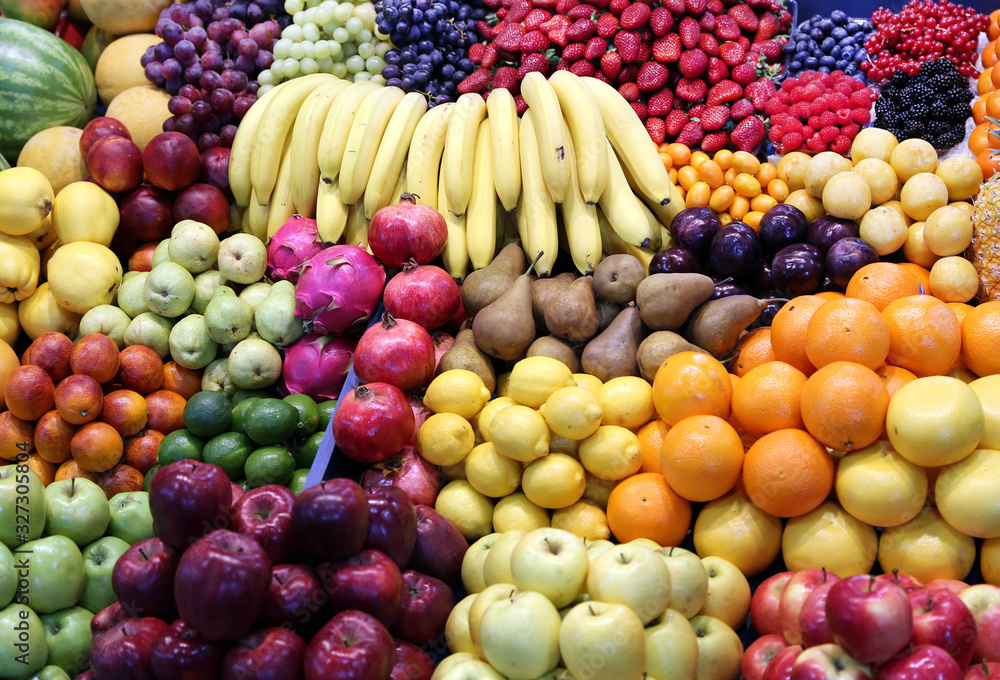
(759, 654)
(780, 665)
(764, 604)
(215, 169)
(794, 595)
(426, 605)
(946, 584)
(812, 617)
(412, 663)
(905, 581)
(828, 662)
(872, 620)
(921, 662)
(204, 203)
(99, 127)
(265, 515)
(266, 654)
(238, 492)
(147, 213)
(143, 579)
(392, 523)
(439, 548)
(352, 646)
(171, 161)
(115, 163)
(369, 582)
(188, 499)
(106, 618)
(123, 651)
(940, 618)
(180, 653)
(295, 599)
(983, 600)
(335, 507)
(984, 670)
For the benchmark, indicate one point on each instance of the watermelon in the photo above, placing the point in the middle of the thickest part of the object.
(44, 82)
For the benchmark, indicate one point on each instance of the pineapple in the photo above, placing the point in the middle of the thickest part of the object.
(985, 249)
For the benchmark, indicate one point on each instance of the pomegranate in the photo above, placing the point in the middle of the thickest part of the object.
(442, 343)
(420, 414)
(406, 230)
(396, 351)
(373, 422)
(454, 323)
(408, 471)
(424, 294)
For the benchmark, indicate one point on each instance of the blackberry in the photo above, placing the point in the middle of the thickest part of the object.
(932, 105)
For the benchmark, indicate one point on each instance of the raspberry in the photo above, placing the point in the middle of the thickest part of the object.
(797, 95)
(818, 106)
(838, 100)
(860, 98)
(807, 77)
(812, 90)
(843, 116)
(772, 106)
(827, 118)
(850, 130)
(791, 141)
(807, 131)
(841, 144)
(775, 134)
(842, 87)
(816, 144)
(788, 84)
(800, 110)
(814, 122)
(828, 134)
(861, 116)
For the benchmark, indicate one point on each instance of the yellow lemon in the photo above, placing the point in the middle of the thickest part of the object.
(611, 453)
(452, 472)
(988, 390)
(626, 401)
(989, 560)
(517, 512)
(490, 473)
(520, 433)
(585, 519)
(926, 547)
(829, 537)
(503, 385)
(473, 578)
(485, 417)
(967, 494)
(880, 487)
(25, 200)
(571, 447)
(733, 528)
(572, 412)
(554, 481)
(445, 439)
(599, 490)
(935, 420)
(457, 391)
(587, 381)
(470, 511)
(533, 379)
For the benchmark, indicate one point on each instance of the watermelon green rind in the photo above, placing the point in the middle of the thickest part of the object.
(44, 82)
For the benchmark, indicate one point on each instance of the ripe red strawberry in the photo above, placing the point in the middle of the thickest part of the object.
(661, 103)
(536, 18)
(505, 78)
(695, 111)
(645, 52)
(714, 141)
(748, 133)
(726, 28)
(695, 7)
(595, 48)
(676, 7)
(563, 65)
(661, 21)
(690, 31)
(534, 41)
(767, 28)
(640, 110)
(547, 5)
(745, 42)
(629, 91)
(490, 57)
(531, 63)
(691, 90)
(731, 53)
(707, 23)
(581, 11)
(484, 30)
(599, 75)
(581, 31)
(555, 29)
(628, 74)
(521, 105)
(652, 76)
(627, 43)
(740, 109)
(618, 6)
(477, 81)
(714, 118)
(724, 91)
(745, 17)
(772, 50)
(715, 7)
(574, 52)
(611, 64)
(708, 44)
(476, 52)
(744, 74)
(760, 91)
(583, 68)
(510, 38)
(717, 70)
(518, 11)
(692, 63)
(635, 15)
(668, 48)
(691, 134)
(607, 25)
(784, 19)
(675, 121)
(564, 6)
(501, 14)
(657, 129)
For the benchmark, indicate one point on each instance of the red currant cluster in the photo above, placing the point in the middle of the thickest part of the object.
(923, 30)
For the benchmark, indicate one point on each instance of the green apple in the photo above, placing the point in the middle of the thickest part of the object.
(131, 519)
(520, 635)
(53, 569)
(76, 508)
(22, 505)
(49, 673)
(552, 562)
(67, 633)
(473, 564)
(728, 597)
(597, 548)
(470, 669)
(456, 628)
(496, 567)
(490, 594)
(671, 647)
(603, 641)
(633, 576)
(720, 650)
(23, 649)
(8, 576)
(452, 660)
(688, 580)
(98, 562)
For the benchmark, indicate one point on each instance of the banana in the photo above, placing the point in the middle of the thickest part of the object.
(611, 242)
(337, 127)
(552, 133)
(586, 126)
(305, 140)
(280, 206)
(392, 152)
(255, 217)
(664, 213)
(622, 208)
(502, 112)
(536, 213)
(364, 139)
(583, 232)
(424, 156)
(644, 255)
(275, 128)
(239, 172)
(356, 233)
(331, 213)
(455, 255)
(481, 215)
(400, 187)
(460, 148)
(655, 228)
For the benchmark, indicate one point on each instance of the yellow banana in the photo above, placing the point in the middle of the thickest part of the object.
(356, 233)
(400, 187)
(276, 126)
(423, 159)
(255, 217)
(305, 140)
(583, 232)
(331, 213)
(536, 213)
(280, 206)
(502, 113)
(665, 213)
(337, 127)
(622, 208)
(644, 255)
(655, 228)
(586, 126)
(392, 153)
(552, 133)
(455, 256)
(481, 216)
(460, 149)
(363, 141)
(611, 242)
(239, 171)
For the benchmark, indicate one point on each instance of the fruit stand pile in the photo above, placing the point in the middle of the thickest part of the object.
(443, 340)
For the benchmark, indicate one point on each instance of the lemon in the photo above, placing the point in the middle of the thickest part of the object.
(571, 447)
(520, 433)
(735, 529)
(445, 439)
(967, 494)
(533, 379)
(988, 390)
(470, 511)
(829, 537)
(927, 548)
(611, 453)
(587, 381)
(517, 512)
(880, 487)
(503, 385)
(490, 473)
(626, 401)
(485, 416)
(989, 561)
(585, 519)
(457, 391)
(935, 420)
(554, 481)
(599, 490)
(572, 412)
(452, 472)
(472, 563)
(496, 568)
(25, 200)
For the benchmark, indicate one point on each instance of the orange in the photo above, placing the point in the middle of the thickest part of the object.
(97, 447)
(980, 339)
(644, 506)
(166, 411)
(184, 381)
(994, 78)
(844, 405)
(787, 473)
(924, 335)
(882, 282)
(702, 458)
(767, 398)
(788, 331)
(71, 469)
(754, 349)
(847, 330)
(989, 55)
(894, 377)
(992, 105)
(984, 83)
(650, 443)
(993, 30)
(922, 273)
(689, 384)
(988, 162)
(979, 108)
(981, 138)
(45, 470)
(961, 309)
(830, 295)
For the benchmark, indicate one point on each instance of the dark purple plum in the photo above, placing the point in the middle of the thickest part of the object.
(760, 280)
(674, 261)
(768, 311)
(694, 229)
(735, 250)
(847, 256)
(826, 230)
(797, 269)
(782, 226)
(727, 287)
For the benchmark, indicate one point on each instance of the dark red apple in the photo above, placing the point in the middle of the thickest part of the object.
(115, 163)
(871, 619)
(123, 651)
(353, 645)
(141, 259)
(180, 653)
(99, 127)
(940, 618)
(265, 515)
(143, 579)
(439, 548)
(412, 663)
(266, 654)
(146, 213)
(812, 617)
(780, 665)
(106, 618)
(759, 654)
(982, 670)
(330, 520)
(392, 523)
(215, 169)
(295, 599)
(369, 582)
(904, 581)
(921, 662)
(188, 499)
(171, 161)
(204, 203)
(794, 595)
(427, 602)
(238, 491)
(765, 601)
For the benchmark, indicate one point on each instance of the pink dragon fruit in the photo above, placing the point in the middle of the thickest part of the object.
(337, 288)
(317, 365)
(294, 243)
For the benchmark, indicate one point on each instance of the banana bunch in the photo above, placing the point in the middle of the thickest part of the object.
(577, 171)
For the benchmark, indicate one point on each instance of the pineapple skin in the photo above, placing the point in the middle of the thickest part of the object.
(984, 252)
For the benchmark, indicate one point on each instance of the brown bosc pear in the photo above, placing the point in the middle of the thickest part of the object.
(505, 328)
(553, 347)
(667, 300)
(717, 324)
(485, 286)
(542, 291)
(464, 354)
(572, 312)
(612, 354)
(659, 346)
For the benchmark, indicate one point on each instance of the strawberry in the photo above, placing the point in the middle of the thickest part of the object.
(627, 43)
(708, 44)
(640, 110)
(691, 134)
(740, 109)
(564, 6)
(510, 38)
(555, 29)
(674, 121)
(521, 105)
(502, 13)
(690, 31)
(534, 41)
(745, 42)
(767, 28)
(731, 53)
(784, 19)
(661, 103)
(489, 58)
(714, 141)
(745, 17)
(531, 63)
(599, 75)
(595, 48)
(690, 90)
(724, 91)
(505, 78)
(759, 92)
(707, 23)
(695, 7)
(581, 12)
(628, 74)
(717, 70)
(676, 7)
(607, 25)
(547, 5)
(629, 92)
(695, 111)
(476, 52)
(611, 64)
(652, 76)
(477, 81)
(715, 7)
(668, 48)
(635, 15)
(772, 50)
(660, 21)
(600, 4)
(748, 133)
(744, 74)
(657, 129)
(583, 68)
(714, 118)
(726, 28)
(618, 6)
(536, 18)
(518, 11)
(581, 30)
(574, 52)
(563, 65)
(645, 52)
(692, 63)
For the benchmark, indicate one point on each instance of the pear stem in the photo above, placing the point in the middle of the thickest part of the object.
(531, 267)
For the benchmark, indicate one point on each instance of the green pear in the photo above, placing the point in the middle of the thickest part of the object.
(190, 344)
(130, 293)
(227, 317)
(205, 285)
(216, 378)
(275, 318)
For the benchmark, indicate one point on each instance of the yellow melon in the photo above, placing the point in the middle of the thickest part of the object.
(118, 67)
(142, 110)
(55, 152)
(122, 17)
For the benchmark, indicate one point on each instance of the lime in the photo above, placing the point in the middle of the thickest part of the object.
(229, 451)
(207, 414)
(298, 482)
(307, 450)
(242, 395)
(308, 413)
(238, 411)
(270, 421)
(149, 477)
(178, 445)
(269, 465)
(326, 409)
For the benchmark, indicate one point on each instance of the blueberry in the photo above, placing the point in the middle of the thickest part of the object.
(460, 76)
(813, 46)
(841, 64)
(826, 25)
(810, 62)
(795, 66)
(839, 33)
(799, 56)
(816, 34)
(823, 69)
(838, 16)
(827, 60)
(827, 44)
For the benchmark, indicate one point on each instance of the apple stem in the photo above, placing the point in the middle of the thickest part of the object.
(72, 486)
(142, 552)
(871, 582)
(895, 575)
(823, 569)
(930, 601)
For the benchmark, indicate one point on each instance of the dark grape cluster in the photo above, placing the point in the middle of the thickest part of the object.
(932, 105)
(432, 40)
